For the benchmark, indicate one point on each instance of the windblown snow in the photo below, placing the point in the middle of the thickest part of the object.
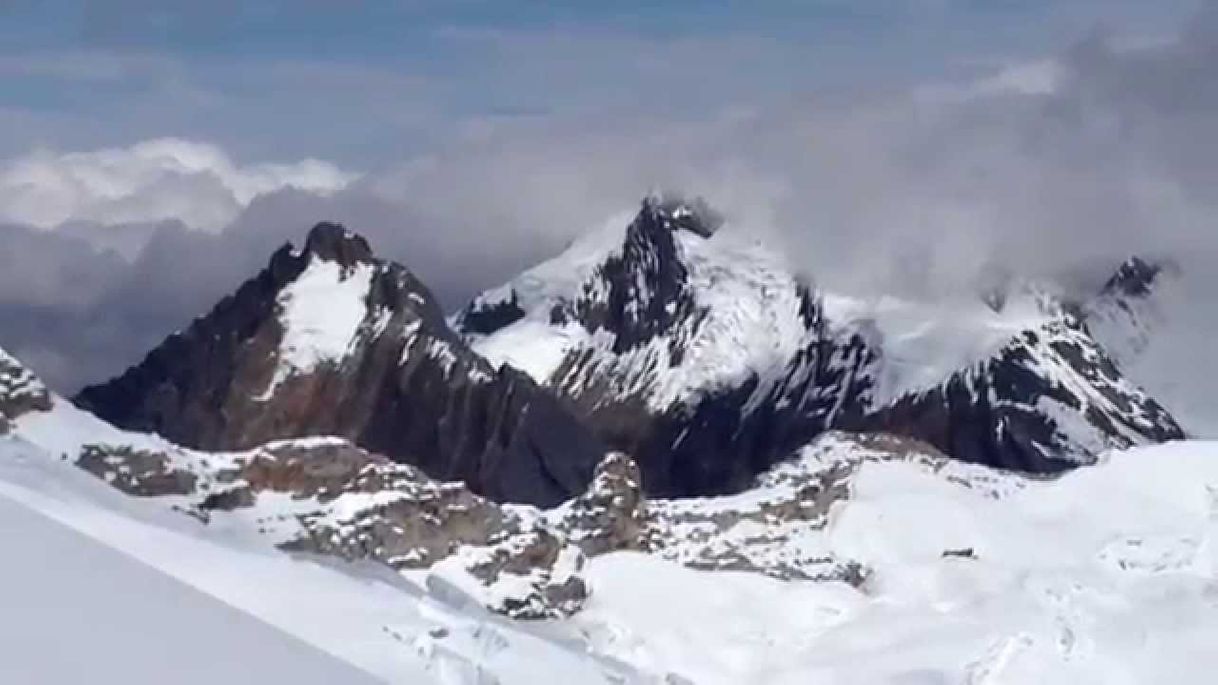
(924, 342)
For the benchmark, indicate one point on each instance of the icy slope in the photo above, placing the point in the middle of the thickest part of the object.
(125, 621)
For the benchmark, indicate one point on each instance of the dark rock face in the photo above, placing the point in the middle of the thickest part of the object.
(647, 283)
(491, 318)
(406, 385)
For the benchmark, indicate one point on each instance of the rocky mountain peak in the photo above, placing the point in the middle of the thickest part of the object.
(1135, 277)
(333, 242)
(674, 212)
(333, 341)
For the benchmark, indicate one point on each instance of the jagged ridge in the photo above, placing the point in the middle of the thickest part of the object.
(329, 340)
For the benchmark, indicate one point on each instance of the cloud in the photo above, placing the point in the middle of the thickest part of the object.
(1059, 166)
(168, 178)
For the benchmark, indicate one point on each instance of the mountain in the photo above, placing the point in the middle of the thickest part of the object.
(327, 497)
(330, 340)
(702, 357)
(706, 359)
(695, 351)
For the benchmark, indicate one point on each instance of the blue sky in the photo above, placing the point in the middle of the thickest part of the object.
(272, 79)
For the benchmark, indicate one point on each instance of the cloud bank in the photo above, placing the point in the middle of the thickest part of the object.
(1059, 167)
(168, 178)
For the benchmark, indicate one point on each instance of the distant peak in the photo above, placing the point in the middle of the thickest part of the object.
(676, 211)
(333, 242)
(1135, 277)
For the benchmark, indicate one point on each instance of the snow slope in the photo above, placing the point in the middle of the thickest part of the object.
(75, 609)
(320, 312)
(1105, 575)
(376, 620)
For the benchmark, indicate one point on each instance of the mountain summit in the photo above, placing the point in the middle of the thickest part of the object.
(330, 340)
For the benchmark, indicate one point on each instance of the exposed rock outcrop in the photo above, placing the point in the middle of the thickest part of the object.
(20, 391)
(612, 514)
(529, 575)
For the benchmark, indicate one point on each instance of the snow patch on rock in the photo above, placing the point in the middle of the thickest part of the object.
(320, 313)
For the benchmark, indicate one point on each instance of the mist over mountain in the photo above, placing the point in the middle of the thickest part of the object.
(1056, 166)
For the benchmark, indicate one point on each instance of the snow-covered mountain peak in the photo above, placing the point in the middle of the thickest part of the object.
(703, 356)
(672, 305)
(332, 340)
(675, 211)
(1155, 318)
(1138, 277)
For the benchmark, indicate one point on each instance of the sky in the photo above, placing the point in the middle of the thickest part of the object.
(883, 144)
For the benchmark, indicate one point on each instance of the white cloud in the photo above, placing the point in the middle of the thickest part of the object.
(154, 180)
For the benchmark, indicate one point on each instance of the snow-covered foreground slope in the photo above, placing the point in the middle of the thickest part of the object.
(865, 558)
(377, 621)
(1105, 575)
(77, 611)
